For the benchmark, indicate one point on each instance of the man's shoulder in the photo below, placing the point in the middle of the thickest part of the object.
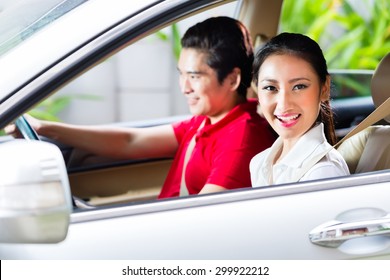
(193, 121)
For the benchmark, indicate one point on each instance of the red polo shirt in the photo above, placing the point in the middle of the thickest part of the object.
(222, 152)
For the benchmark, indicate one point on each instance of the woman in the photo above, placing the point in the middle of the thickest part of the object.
(293, 84)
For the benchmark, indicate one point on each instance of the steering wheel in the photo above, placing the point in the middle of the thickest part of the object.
(26, 129)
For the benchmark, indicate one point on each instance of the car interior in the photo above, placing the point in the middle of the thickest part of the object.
(91, 176)
(366, 151)
(369, 150)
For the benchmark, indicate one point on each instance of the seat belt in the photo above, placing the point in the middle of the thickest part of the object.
(381, 112)
(378, 114)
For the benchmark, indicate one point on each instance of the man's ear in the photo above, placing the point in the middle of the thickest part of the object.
(325, 91)
(234, 78)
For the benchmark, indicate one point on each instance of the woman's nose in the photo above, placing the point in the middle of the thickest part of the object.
(284, 100)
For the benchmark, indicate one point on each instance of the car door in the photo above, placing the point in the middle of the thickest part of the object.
(269, 223)
(280, 222)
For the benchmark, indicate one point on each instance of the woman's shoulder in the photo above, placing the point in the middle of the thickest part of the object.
(331, 165)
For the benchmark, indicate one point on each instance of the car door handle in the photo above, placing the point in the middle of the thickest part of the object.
(334, 233)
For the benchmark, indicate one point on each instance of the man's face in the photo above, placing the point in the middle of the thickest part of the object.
(199, 83)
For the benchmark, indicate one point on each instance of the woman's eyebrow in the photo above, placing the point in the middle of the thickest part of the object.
(290, 81)
(268, 80)
(299, 79)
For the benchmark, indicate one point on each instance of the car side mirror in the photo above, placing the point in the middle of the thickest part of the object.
(35, 197)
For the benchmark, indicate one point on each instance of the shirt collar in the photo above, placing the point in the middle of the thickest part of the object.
(250, 105)
(304, 149)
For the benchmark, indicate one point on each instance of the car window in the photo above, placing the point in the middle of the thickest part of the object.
(138, 86)
(351, 34)
(20, 19)
(139, 83)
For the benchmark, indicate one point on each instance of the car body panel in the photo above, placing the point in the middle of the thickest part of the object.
(264, 223)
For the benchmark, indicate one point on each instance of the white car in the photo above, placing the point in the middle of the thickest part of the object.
(44, 45)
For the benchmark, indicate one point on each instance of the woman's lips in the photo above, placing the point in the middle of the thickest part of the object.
(288, 120)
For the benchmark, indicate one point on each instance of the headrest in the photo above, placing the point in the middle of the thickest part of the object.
(380, 83)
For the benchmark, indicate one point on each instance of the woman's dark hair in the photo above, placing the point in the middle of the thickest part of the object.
(227, 44)
(307, 49)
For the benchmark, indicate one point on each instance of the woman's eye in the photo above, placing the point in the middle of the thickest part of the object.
(269, 88)
(300, 86)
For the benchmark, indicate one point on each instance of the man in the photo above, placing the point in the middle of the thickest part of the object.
(215, 146)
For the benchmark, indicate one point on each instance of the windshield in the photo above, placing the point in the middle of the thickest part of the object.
(19, 19)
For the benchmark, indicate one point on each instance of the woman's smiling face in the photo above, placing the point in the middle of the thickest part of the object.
(290, 93)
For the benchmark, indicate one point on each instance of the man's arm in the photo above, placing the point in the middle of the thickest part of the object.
(114, 142)
(211, 188)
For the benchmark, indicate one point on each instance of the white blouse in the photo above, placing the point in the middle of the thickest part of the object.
(312, 144)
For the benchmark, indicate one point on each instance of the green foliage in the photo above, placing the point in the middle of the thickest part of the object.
(351, 36)
(174, 37)
(176, 41)
(49, 108)
(52, 106)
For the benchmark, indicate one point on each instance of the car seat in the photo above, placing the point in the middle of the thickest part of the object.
(369, 150)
